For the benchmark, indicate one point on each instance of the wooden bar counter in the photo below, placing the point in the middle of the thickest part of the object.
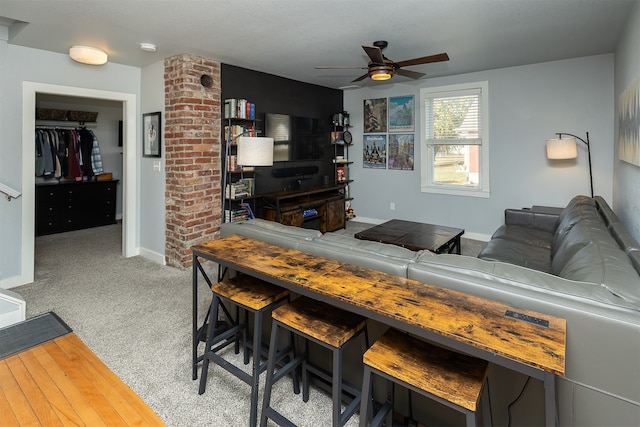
(466, 323)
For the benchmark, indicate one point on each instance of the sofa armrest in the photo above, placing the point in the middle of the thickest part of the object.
(530, 218)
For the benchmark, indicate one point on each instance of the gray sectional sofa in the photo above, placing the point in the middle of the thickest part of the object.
(579, 264)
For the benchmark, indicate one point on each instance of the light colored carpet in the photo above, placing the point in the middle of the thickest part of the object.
(136, 316)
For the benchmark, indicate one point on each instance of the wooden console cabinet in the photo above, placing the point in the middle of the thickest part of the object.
(74, 205)
(288, 207)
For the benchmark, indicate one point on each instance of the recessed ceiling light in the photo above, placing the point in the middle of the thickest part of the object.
(148, 47)
(88, 55)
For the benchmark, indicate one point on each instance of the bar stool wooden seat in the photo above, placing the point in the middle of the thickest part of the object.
(329, 327)
(453, 379)
(254, 296)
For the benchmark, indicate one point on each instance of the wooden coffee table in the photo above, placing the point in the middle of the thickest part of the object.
(415, 236)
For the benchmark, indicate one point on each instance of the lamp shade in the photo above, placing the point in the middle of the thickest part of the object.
(255, 151)
(88, 55)
(562, 148)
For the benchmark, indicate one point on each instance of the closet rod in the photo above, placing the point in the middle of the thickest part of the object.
(66, 126)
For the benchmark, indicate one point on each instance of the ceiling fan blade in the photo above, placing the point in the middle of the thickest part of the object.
(339, 67)
(375, 53)
(424, 60)
(362, 77)
(410, 74)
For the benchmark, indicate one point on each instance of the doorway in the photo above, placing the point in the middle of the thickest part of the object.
(130, 172)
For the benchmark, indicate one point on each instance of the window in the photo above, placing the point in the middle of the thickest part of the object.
(455, 143)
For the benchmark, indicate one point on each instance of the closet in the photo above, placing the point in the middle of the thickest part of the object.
(77, 164)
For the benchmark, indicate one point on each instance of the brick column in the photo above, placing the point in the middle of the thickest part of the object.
(192, 147)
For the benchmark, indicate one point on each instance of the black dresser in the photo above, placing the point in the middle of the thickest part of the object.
(74, 205)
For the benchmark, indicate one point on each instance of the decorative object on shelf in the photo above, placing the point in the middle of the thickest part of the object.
(401, 114)
(88, 55)
(50, 114)
(561, 149)
(347, 137)
(82, 116)
(337, 137)
(152, 134)
(342, 173)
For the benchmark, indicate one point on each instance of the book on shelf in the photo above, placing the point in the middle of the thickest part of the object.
(235, 215)
(232, 163)
(340, 160)
(231, 132)
(239, 109)
(236, 190)
(250, 185)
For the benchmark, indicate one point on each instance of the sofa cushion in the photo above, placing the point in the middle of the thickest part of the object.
(579, 236)
(517, 253)
(269, 231)
(440, 269)
(374, 255)
(570, 216)
(526, 235)
(605, 264)
(529, 218)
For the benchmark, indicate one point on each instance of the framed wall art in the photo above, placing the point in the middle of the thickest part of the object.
(374, 151)
(401, 114)
(375, 115)
(629, 124)
(152, 134)
(401, 152)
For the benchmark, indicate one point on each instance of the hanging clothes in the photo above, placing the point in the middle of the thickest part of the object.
(96, 157)
(68, 153)
(39, 154)
(73, 160)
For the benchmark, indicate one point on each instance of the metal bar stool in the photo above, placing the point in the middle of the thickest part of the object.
(327, 326)
(252, 296)
(453, 379)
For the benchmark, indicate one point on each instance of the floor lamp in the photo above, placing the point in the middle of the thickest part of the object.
(252, 151)
(566, 148)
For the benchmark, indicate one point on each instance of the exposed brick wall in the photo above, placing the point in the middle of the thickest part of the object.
(192, 147)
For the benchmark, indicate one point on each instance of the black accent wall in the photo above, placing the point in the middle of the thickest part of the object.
(274, 94)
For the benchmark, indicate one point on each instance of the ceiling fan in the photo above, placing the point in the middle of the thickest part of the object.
(382, 68)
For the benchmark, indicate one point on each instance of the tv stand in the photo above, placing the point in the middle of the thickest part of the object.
(288, 207)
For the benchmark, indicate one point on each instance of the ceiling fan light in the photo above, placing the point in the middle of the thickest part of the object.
(381, 73)
(88, 55)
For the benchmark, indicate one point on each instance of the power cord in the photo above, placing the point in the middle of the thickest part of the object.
(516, 400)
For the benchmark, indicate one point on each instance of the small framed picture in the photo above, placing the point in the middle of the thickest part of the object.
(152, 135)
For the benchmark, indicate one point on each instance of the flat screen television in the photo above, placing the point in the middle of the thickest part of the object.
(298, 138)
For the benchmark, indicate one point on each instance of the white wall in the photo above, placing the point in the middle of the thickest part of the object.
(17, 65)
(527, 105)
(152, 183)
(626, 193)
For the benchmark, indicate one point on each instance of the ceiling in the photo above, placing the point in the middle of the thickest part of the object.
(289, 37)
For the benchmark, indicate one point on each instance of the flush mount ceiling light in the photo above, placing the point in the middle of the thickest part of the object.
(88, 55)
(381, 72)
(148, 47)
